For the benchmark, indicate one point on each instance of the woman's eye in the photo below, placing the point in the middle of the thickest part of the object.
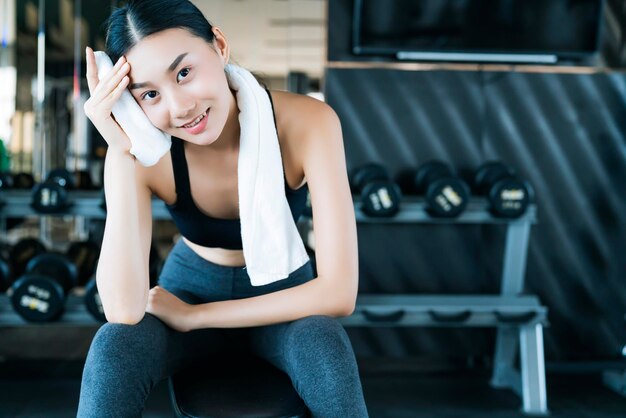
(182, 74)
(149, 95)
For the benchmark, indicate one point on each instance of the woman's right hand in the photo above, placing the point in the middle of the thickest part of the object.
(104, 94)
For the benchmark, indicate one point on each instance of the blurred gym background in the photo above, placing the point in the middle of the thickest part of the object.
(537, 86)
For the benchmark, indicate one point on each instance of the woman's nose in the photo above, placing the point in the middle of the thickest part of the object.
(181, 107)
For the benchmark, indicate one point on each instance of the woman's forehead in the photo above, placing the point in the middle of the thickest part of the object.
(161, 51)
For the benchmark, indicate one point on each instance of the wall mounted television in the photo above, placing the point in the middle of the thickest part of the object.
(514, 31)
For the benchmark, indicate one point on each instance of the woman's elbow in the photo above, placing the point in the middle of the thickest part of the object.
(125, 318)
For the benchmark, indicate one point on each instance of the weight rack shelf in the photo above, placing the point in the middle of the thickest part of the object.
(17, 203)
(75, 314)
(519, 318)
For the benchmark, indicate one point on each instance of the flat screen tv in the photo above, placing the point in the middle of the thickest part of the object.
(519, 31)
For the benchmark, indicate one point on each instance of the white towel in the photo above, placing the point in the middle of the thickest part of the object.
(148, 144)
(272, 246)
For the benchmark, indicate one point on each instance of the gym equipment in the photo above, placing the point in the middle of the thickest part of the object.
(23, 181)
(84, 255)
(5, 274)
(508, 196)
(39, 295)
(22, 252)
(83, 180)
(51, 196)
(446, 195)
(6, 180)
(93, 302)
(380, 196)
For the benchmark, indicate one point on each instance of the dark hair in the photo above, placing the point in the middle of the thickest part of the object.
(138, 19)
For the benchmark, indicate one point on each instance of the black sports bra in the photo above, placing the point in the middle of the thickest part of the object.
(205, 230)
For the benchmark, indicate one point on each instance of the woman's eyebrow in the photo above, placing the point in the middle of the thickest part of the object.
(171, 68)
(137, 86)
(175, 63)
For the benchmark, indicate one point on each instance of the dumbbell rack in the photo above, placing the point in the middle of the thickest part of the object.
(17, 204)
(518, 318)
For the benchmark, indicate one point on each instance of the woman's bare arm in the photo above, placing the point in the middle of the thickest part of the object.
(122, 273)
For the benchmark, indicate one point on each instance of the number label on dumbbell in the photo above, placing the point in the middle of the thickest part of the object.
(512, 194)
(34, 304)
(38, 292)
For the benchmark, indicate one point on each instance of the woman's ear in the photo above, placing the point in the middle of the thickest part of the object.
(222, 47)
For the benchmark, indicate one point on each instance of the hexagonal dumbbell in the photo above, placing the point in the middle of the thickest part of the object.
(22, 252)
(380, 196)
(51, 196)
(446, 195)
(84, 255)
(39, 295)
(507, 194)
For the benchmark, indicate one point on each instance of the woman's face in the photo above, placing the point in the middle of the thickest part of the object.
(178, 80)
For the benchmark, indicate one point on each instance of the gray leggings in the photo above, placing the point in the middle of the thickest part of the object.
(125, 362)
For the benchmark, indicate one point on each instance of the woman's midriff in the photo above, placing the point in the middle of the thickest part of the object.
(221, 256)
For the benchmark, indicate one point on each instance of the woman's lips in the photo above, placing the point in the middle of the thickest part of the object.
(199, 125)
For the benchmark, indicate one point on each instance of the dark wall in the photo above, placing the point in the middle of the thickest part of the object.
(612, 39)
(566, 133)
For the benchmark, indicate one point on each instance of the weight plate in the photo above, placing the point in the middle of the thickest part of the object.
(22, 252)
(93, 302)
(37, 298)
(57, 267)
(429, 172)
(49, 197)
(487, 174)
(381, 199)
(447, 197)
(368, 173)
(509, 198)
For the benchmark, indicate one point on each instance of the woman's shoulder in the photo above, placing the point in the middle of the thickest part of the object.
(299, 117)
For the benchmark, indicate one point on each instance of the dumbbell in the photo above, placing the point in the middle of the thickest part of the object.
(92, 297)
(508, 195)
(5, 274)
(51, 196)
(83, 180)
(84, 255)
(39, 295)
(93, 302)
(6, 180)
(16, 181)
(380, 196)
(22, 252)
(445, 194)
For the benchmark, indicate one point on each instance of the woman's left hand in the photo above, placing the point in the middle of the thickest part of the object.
(169, 309)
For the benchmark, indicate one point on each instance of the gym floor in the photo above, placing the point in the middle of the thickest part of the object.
(51, 388)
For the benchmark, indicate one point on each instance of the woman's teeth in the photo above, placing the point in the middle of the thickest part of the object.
(196, 121)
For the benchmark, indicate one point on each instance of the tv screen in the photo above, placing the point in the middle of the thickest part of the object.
(477, 30)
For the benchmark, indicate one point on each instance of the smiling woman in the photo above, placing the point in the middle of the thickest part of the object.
(176, 66)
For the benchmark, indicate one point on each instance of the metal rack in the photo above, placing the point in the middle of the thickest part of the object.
(519, 318)
(17, 204)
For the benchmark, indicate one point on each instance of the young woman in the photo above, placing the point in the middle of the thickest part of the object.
(172, 61)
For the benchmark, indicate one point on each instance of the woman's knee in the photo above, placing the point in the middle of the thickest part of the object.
(121, 344)
(318, 336)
